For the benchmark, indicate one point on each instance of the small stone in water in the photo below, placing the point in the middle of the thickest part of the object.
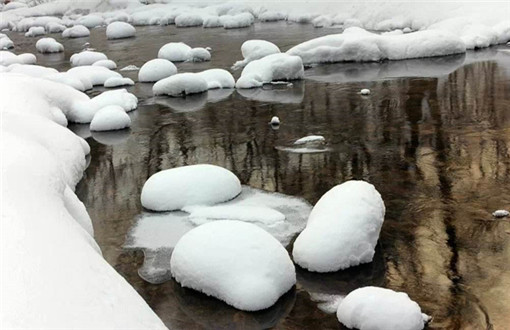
(365, 91)
(501, 213)
(275, 121)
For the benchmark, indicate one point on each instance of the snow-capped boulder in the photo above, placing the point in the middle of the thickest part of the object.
(84, 111)
(176, 188)
(199, 54)
(237, 21)
(48, 45)
(35, 31)
(77, 31)
(373, 308)
(96, 75)
(5, 42)
(14, 5)
(234, 261)
(271, 16)
(359, 45)
(271, 68)
(109, 64)
(116, 82)
(256, 49)
(54, 27)
(110, 118)
(90, 21)
(188, 20)
(211, 21)
(8, 58)
(87, 58)
(180, 84)
(342, 230)
(175, 52)
(156, 69)
(120, 30)
(310, 139)
(217, 78)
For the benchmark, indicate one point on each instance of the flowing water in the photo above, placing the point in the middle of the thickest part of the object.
(433, 137)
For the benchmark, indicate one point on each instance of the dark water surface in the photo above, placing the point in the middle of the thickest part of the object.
(434, 138)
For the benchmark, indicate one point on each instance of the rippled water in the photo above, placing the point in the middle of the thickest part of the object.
(433, 137)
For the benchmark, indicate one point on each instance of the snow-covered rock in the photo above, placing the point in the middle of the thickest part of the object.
(271, 16)
(8, 58)
(373, 308)
(211, 21)
(48, 45)
(217, 78)
(77, 31)
(120, 30)
(255, 49)
(40, 209)
(188, 20)
(54, 27)
(201, 184)
(271, 68)
(14, 5)
(116, 82)
(237, 21)
(310, 139)
(199, 54)
(275, 121)
(365, 91)
(175, 52)
(87, 58)
(180, 84)
(5, 42)
(212, 257)
(156, 69)
(342, 230)
(35, 31)
(84, 110)
(110, 118)
(359, 45)
(90, 21)
(109, 64)
(500, 213)
(94, 75)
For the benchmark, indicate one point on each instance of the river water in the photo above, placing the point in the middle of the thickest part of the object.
(433, 137)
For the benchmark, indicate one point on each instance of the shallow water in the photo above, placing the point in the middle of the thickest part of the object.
(433, 137)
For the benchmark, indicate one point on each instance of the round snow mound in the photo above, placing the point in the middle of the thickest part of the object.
(110, 118)
(48, 45)
(109, 64)
(120, 30)
(342, 229)
(234, 261)
(87, 58)
(156, 69)
(175, 52)
(372, 308)
(176, 188)
(181, 84)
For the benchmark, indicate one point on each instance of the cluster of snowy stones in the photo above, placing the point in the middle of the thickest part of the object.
(45, 225)
(342, 231)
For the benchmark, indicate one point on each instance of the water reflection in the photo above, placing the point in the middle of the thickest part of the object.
(292, 94)
(111, 138)
(436, 148)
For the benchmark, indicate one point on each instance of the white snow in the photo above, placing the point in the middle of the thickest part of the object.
(44, 225)
(180, 84)
(500, 213)
(48, 45)
(35, 31)
(14, 5)
(175, 52)
(8, 58)
(116, 82)
(5, 42)
(217, 78)
(237, 21)
(130, 68)
(255, 49)
(110, 118)
(109, 64)
(359, 45)
(212, 257)
(310, 139)
(87, 58)
(188, 20)
(373, 308)
(77, 31)
(54, 27)
(271, 16)
(342, 230)
(365, 91)
(90, 21)
(275, 120)
(176, 188)
(120, 30)
(83, 111)
(199, 54)
(156, 69)
(93, 75)
(271, 68)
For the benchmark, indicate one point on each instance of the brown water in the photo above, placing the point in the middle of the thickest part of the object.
(437, 149)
